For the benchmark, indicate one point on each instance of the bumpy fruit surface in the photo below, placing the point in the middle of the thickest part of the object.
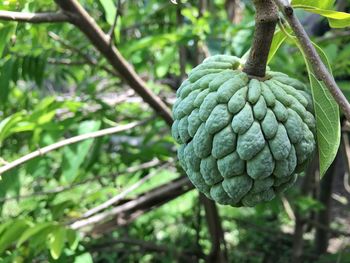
(242, 141)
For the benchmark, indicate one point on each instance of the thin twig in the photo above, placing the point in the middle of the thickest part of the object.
(328, 229)
(69, 141)
(133, 204)
(118, 13)
(318, 67)
(66, 62)
(288, 208)
(120, 196)
(35, 18)
(89, 60)
(60, 189)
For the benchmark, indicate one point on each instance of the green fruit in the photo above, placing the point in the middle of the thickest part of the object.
(242, 141)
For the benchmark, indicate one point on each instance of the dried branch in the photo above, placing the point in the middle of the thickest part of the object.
(120, 196)
(66, 142)
(100, 40)
(144, 202)
(35, 18)
(318, 67)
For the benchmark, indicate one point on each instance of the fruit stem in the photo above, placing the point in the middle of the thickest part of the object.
(266, 18)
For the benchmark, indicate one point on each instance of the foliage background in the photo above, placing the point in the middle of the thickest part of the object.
(54, 85)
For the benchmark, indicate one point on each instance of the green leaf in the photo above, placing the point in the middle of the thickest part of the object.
(326, 112)
(277, 41)
(336, 19)
(8, 124)
(5, 78)
(167, 58)
(5, 33)
(33, 231)
(74, 155)
(327, 117)
(56, 242)
(323, 4)
(72, 238)
(327, 123)
(11, 233)
(110, 10)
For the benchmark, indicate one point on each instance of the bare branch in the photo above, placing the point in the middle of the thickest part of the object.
(66, 142)
(66, 62)
(35, 18)
(89, 60)
(313, 57)
(60, 189)
(119, 197)
(101, 42)
(154, 197)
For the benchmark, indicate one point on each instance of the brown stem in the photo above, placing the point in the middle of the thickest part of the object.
(265, 23)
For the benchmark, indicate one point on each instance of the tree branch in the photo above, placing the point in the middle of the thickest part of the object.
(66, 142)
(130, 170)
(154, 197)
(120, 196)
(313, 57)
(35, 18)
(100, 40)
(266, 19)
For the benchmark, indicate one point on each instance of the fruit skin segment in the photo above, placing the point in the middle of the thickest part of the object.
(242, 140)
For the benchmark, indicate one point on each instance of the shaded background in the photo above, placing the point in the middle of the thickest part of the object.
(55, 85)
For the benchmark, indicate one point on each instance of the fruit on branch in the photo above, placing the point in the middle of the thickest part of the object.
(242, 140)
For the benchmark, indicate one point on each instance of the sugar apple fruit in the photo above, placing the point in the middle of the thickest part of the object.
(242, 140)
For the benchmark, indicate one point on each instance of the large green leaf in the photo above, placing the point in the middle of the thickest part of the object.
(327, 117)
(328, 124)
(326, 112)
(336, 19)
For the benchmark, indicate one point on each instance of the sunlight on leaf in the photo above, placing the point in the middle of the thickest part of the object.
(336, 19)
(323, 4)
(277, 41)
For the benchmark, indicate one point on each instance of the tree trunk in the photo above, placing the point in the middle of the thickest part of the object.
(218, 253)
(325, 198)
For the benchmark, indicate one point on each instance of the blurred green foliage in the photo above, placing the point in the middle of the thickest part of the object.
(49, 92)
